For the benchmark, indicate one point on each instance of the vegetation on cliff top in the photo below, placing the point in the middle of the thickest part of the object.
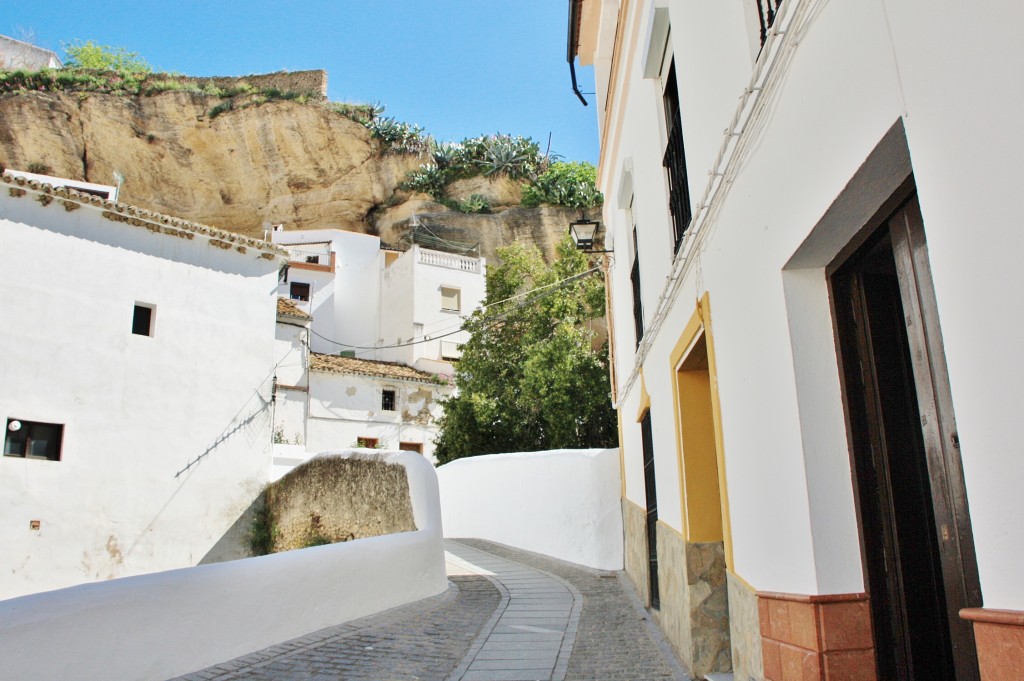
(93, 68)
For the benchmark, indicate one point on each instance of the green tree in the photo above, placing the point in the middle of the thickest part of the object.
(529, 378)
(89, 55)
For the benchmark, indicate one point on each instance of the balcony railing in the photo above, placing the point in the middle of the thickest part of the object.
(311, 257)
(679, 184)
(767, 11)
(450, 260)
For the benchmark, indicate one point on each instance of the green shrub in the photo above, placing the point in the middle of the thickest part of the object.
(476, 203)
(227, 105)
(89, 55)
(572, 184)
(261, 530)
(316, 539)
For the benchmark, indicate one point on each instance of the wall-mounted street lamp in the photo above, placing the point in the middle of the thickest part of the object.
(584, 234)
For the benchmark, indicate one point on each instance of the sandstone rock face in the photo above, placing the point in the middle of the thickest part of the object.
(277, 162)
(256, 164)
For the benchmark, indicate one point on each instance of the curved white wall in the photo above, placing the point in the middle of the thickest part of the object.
(562, 503)
(165, 624)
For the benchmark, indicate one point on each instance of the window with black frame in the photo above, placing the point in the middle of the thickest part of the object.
(675, 160)
(33, 440)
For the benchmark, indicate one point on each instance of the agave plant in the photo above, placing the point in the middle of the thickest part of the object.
(513, 157)
(396, 136)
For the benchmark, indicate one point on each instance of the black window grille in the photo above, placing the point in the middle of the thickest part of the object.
(675, 162)
(767, 12)
(638, 310)
(387, 400)
(634, 278)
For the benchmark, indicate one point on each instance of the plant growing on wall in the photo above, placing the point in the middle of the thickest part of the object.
(529, 378)
(261, 529)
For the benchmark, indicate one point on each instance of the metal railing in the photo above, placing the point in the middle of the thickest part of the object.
(767, 10)
(450, 260)
(309, 256)
(678, 182)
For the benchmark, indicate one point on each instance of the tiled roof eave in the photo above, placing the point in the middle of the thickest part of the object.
(157, 222)
(397, 372)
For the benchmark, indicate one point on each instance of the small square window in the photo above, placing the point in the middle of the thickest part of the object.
(450, 299)
(451, 351)
(367, 442)
(142, 320)
(387, 400)
(411, 447)
(299, 291)
(32, 440)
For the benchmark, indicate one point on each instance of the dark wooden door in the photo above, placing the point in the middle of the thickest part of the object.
(652, 510)
(915, 526)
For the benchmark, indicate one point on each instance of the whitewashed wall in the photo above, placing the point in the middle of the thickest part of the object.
(346, 304)
(411, 302)
(166, 438)
(397, 300)
(562, 503)
(343, 407)
(162, 625)
(856, 69)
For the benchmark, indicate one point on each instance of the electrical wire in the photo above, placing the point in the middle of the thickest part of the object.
(499, 318)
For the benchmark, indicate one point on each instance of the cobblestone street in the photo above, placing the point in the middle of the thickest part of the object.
(508, 615)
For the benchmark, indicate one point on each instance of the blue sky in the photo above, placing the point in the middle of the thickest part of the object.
(459, 68)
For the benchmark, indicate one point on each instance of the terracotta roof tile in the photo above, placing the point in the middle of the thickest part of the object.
(288, 308)
(333, 364)
(155, 222)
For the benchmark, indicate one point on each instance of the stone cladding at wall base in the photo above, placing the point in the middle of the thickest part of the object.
(708, 607)
(673, 616)
(635, 553)
(745, 631)
(694, 600)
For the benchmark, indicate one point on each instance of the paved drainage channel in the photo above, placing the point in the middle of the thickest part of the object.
(531, 633)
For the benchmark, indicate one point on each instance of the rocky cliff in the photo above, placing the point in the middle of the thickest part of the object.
(254, 164)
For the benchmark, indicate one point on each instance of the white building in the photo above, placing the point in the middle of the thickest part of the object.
(135, 386)
(366, 337)
(15, 54)
(809, 207)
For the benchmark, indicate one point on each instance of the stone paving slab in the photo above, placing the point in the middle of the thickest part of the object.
(509, 615)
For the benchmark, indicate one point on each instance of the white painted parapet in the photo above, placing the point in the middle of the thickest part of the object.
(562, 503)
(162, 625)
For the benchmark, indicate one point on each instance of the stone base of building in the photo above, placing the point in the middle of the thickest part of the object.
(745, 631)
(999, 636)
(816, 638)
(635, 548)
(694, 594)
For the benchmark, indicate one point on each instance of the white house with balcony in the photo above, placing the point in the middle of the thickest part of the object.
(366, 339)
(817, 329)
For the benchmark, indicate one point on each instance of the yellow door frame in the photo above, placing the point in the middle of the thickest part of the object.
(700, 524)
